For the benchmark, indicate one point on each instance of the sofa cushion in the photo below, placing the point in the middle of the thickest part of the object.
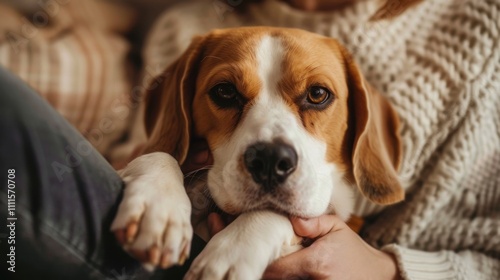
(74, 55)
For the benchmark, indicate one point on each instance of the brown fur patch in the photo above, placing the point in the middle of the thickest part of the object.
(231, 61)
(317, 63)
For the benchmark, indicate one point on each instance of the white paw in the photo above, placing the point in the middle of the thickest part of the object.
(228, 258)
(153, 220)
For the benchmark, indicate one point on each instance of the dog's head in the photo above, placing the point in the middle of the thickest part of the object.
(290, 121)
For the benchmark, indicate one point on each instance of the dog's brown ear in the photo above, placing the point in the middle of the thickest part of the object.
(376, 153)
(168, 104)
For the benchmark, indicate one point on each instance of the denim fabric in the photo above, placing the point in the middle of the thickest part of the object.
(66, 196)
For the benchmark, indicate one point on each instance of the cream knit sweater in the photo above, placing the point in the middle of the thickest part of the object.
(439, 65)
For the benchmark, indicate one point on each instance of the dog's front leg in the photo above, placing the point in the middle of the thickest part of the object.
(245, 247)
(153, 219)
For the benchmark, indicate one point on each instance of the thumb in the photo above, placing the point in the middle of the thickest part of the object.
(291, 266)
(317, 227)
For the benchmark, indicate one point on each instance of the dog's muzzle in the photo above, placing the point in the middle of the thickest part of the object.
(270, 163)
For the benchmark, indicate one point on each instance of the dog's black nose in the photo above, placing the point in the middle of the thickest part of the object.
(270, 163)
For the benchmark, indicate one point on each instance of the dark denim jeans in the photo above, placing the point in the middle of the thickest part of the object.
(63, 197)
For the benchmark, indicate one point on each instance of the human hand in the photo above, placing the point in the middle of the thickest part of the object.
(337, 253)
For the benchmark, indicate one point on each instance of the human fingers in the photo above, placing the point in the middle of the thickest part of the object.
(316, 227)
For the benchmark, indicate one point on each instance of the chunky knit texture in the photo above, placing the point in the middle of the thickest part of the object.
(439, 65)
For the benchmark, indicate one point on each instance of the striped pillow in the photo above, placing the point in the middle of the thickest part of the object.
(76, 61)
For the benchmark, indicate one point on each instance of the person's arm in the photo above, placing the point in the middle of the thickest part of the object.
(415, 264)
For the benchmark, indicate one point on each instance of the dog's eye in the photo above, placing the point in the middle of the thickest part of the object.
(318, 95)
(226, 91)
(225, 95)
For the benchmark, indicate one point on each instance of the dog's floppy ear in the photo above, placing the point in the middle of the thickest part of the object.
(168, 104)
(376, 152)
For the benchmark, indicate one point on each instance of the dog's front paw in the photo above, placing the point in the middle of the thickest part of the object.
(153, 220)
(228, 258)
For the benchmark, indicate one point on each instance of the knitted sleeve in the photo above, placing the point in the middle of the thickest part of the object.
(449, 226)
(414, 264)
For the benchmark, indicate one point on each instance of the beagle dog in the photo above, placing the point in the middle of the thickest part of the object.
(294, 129)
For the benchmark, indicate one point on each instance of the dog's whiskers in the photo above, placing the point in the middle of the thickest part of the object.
(194, 172)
